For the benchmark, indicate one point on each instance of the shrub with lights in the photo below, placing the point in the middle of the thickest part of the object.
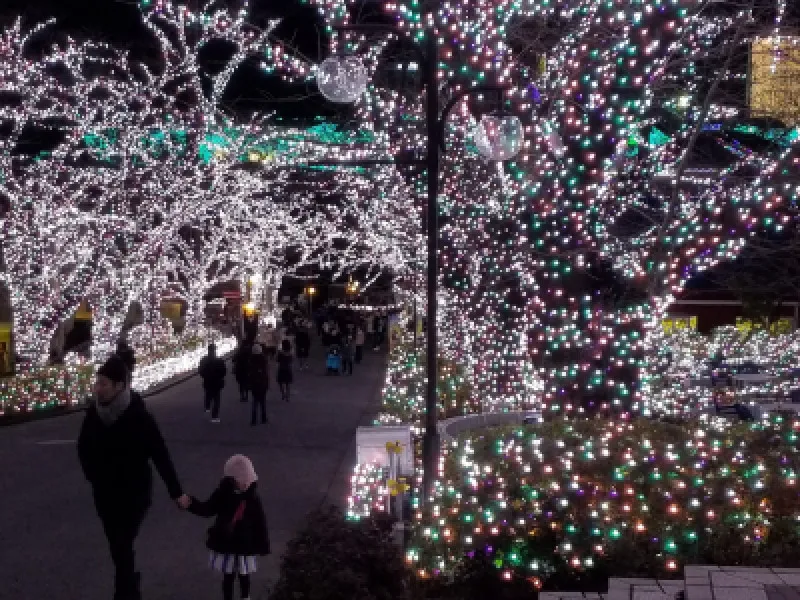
(677, 381)
(640, 498)
(568, 503)
(45, 388)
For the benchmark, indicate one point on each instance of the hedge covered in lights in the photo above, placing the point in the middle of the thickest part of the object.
(565, 501)
(45, 388)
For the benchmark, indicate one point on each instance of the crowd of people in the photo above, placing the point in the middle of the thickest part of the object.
(343, 333)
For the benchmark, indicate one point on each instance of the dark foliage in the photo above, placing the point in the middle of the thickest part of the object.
(335, 559)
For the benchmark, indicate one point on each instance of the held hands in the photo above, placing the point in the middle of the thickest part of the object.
(183, 502)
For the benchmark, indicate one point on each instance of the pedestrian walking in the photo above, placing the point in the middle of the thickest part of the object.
(272, 340)
(239, 533)
(380, 331)
(319, 321)
(212, 371)
(303, 341)
(360, 340)
(336, 334)
(241, 370)
(284, 375)
(259, 383)
(118, 440)
(348, 353)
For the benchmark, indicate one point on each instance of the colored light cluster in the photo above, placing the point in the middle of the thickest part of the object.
(677, 380)
(160, 356)
(369, 491)
(553, 264)
(45, 388)
(402, 396)
(565, 496)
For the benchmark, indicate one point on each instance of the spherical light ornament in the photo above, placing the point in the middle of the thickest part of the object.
(342, 79)
(499, 137)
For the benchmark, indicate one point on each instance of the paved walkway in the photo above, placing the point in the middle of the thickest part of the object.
(53, 545)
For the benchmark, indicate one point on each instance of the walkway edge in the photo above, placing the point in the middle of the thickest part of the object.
(345, 464)
(64, 411)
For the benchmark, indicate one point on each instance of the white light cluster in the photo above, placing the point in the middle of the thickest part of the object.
(149, 376)
(146, 198)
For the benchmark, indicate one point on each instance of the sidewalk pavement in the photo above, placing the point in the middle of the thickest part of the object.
(303, 457)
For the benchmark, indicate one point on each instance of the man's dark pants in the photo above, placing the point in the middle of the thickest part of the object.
(347, 366)
(212, 402)
(121, 521)
(259, 404)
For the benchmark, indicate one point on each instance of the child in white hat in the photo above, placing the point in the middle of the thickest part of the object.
(239, 533)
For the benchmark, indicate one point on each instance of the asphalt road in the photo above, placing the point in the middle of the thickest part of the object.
(52, 544)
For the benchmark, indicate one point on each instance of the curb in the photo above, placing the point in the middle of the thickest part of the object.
(19, 419)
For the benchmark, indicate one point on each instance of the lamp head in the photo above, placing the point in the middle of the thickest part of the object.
(342, 79)
(499, 137)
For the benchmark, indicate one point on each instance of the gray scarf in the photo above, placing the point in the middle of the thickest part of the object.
(110, 412)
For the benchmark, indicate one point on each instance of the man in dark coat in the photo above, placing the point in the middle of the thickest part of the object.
(212, 371)
(258, 378)
(241, 365)
(302, 339)
(118, 439)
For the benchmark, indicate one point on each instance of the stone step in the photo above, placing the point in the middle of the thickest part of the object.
(569, 596)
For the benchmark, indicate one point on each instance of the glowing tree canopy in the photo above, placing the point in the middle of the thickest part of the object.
(559, 258)
(153, 192)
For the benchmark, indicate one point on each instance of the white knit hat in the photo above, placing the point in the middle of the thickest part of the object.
(241, 469)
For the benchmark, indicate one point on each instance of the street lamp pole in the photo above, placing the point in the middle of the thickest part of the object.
(435, 120)
(430, 443)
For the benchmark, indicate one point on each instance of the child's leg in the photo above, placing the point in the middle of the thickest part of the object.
(227, 586)
(244, 584)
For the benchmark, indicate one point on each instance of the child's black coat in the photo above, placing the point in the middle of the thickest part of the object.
(246, 537)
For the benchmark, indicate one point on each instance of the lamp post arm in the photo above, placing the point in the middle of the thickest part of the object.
(442, 121)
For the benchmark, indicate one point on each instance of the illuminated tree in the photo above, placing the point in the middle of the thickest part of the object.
(560, 257)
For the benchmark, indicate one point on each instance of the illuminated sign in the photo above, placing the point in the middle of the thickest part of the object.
(675, 324)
